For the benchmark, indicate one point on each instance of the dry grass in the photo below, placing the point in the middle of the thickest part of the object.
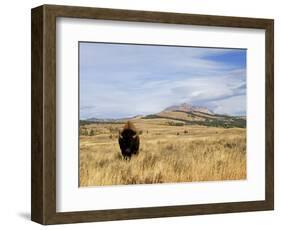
(168, 154)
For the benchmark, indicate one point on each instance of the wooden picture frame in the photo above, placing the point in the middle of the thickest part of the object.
(43, 160)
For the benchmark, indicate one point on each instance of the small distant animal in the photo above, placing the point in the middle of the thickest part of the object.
(129, 140)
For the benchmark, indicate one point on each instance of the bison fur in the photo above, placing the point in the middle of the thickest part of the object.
(129, 140)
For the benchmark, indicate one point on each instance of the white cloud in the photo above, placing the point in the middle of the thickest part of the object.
(235, 105)
(123, 81)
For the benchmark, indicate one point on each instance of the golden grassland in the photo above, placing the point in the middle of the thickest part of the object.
(168, 154)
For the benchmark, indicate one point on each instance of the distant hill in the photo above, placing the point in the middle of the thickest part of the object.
(110, 120)
(187, 114)
(200, 118)
(184, 114)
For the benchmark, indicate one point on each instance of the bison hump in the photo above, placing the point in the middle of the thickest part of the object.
(130, 125)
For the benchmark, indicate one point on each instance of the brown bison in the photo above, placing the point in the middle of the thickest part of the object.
(129, 140)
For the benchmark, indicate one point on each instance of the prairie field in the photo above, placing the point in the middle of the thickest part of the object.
(169, 153)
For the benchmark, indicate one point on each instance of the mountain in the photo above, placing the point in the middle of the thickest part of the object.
(182, 114)
(184, 107)
(186, 114)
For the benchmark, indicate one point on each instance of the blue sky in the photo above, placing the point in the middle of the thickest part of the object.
(121, 80)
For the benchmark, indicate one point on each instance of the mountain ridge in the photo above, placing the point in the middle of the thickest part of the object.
(185, 107)
(183, 114)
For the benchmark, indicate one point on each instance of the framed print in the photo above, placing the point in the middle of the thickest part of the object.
(139, 114)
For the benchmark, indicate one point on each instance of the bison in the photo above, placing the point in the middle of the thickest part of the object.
(129, 140)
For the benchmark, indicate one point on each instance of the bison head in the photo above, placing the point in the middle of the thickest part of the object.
(129, 140)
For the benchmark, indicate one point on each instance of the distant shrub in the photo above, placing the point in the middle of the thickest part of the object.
(172, 123)
(83, 132)
(151, 116)
(92, 132)
(113, 129)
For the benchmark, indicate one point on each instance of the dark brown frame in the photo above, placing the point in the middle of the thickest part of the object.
(43, 158)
